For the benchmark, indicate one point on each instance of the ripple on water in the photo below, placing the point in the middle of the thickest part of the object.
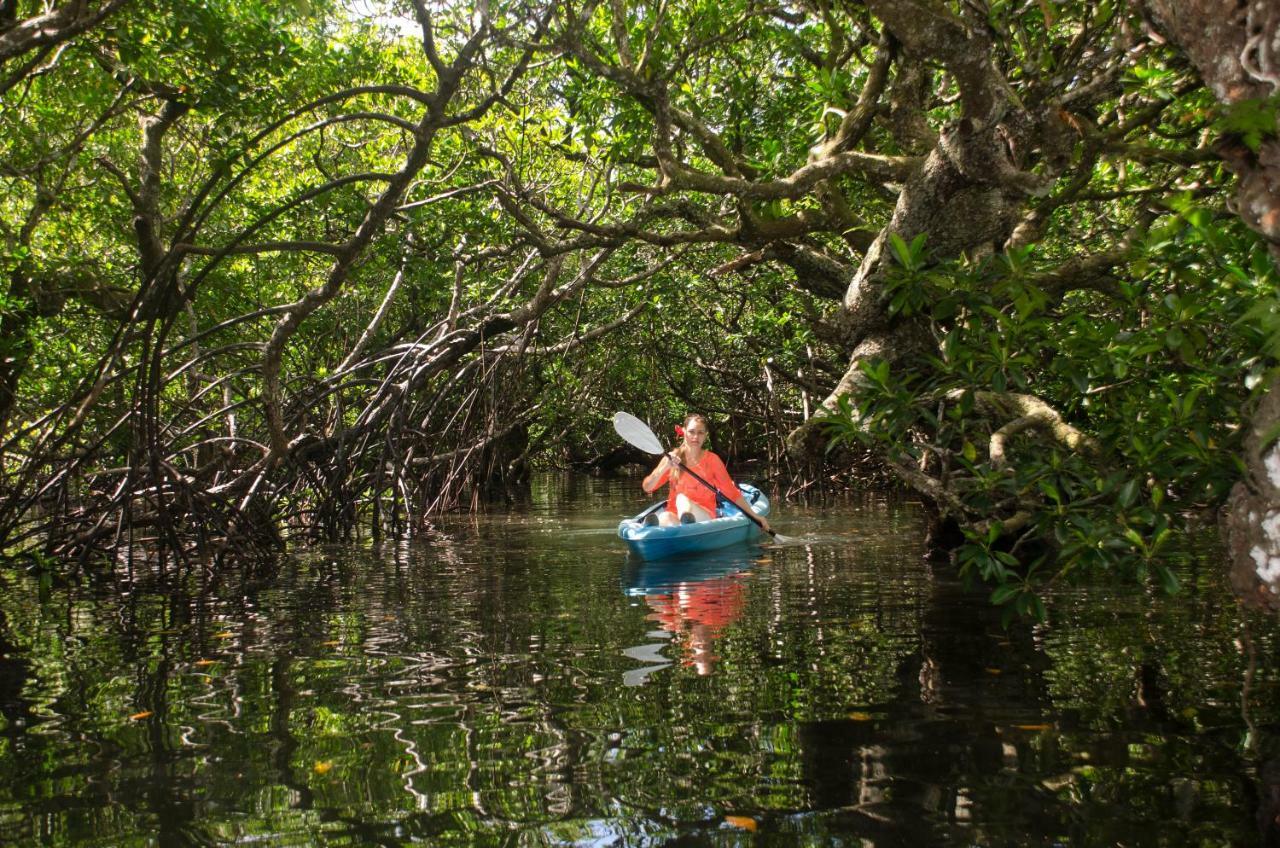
(517, 679)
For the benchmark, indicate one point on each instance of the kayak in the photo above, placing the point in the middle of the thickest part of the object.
(730, 526)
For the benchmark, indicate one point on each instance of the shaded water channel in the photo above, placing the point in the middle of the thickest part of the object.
(514, 679)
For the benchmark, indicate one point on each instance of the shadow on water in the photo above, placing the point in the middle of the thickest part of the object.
(515, 679)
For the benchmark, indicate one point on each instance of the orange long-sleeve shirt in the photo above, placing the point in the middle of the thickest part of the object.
(710, 468)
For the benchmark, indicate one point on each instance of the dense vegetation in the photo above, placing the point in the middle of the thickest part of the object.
(298, 267)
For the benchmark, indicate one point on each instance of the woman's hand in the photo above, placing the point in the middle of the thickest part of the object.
(764, 522)
(746, 508)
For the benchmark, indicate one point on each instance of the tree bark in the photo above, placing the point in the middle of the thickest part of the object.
(968, 194)
(1236, 48)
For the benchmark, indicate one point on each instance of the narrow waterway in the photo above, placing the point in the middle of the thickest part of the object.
(514, 678)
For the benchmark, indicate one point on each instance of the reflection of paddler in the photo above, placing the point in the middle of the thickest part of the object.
(699, 612)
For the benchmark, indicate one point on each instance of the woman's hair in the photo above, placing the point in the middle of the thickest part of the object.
(681, 450)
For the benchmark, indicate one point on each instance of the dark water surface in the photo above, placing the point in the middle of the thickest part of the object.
(514, 679)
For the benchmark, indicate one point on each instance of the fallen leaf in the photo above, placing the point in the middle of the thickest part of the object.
(140, 716)
(332, 643)
(861, 716)
(992, 671)
(1033, 726)
(206, 662)
(226, 634)
(743, 822)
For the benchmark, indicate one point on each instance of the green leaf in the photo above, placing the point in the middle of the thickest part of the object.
(901, 251)
(1050, 491)
(1038, 608)
(1004, 593)
(1253, 120)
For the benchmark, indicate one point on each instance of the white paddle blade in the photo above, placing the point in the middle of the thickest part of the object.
(635, 432)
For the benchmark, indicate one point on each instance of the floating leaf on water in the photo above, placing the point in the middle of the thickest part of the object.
(140, 716)
(1033, 726)
(743, 822)
(993, 671)
(861, 716)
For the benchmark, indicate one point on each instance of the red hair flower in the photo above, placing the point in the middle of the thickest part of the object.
(679, 431)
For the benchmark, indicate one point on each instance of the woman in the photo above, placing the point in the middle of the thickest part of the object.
(690, 500)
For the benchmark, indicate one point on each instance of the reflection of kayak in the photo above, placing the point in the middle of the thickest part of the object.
(728, 528)
(692, 598)
(647, 577)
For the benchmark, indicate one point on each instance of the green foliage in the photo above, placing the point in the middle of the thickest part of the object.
(1252, 120)
(1157, 367)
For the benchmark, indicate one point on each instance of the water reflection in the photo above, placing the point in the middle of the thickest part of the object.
(693, 600)
(481, 687)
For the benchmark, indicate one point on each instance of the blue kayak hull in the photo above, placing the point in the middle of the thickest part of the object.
(730, 528)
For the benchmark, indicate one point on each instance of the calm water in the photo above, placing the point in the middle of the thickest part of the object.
(513, 679)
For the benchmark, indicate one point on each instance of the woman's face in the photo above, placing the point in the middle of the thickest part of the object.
(695, 433)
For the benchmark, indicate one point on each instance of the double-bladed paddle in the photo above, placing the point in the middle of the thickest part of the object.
(637, 433)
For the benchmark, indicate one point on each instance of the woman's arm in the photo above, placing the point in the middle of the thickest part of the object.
(730, 488)
(654, 480)
(742, 504)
